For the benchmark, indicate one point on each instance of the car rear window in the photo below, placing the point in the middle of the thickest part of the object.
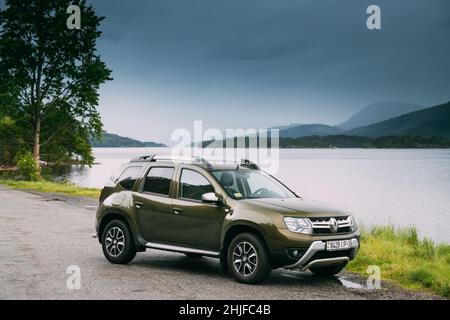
(128, 177)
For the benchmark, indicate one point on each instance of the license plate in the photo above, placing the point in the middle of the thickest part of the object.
(338, 245)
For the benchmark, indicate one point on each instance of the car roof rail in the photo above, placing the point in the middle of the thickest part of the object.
(145, 158)
(154, 158)
(194, 160)
(249, 164)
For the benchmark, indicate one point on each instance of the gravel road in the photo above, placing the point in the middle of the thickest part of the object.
(43, 234)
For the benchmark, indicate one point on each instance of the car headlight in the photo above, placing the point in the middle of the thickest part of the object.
(298, 225)
(352, 222)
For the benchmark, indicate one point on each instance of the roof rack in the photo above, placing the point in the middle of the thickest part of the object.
(154, 158)
(194, 159)
(249, 164)
(146, 158)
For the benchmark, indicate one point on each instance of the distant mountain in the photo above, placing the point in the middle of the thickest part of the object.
(434, 121)
(377, 112)
(345, 141)
(282, 127)
(309, 130)
(111, 140)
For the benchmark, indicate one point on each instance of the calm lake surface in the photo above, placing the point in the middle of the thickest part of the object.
(401, 187)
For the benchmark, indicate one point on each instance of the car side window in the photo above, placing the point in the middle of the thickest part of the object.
(193, 185)
(158, 180)
(129, 176)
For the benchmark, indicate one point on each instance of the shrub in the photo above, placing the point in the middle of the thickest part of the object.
(26, 167)
(422, 275)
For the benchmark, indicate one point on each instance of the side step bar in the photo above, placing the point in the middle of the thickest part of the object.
(167, 247)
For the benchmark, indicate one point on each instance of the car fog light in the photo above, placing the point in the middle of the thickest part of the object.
(296, 253)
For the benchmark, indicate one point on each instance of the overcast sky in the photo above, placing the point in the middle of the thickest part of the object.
(260, 63)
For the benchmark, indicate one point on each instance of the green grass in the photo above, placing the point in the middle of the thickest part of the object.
(405, 259)
(48, 186)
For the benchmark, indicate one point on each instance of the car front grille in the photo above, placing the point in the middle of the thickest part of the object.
(324, 225)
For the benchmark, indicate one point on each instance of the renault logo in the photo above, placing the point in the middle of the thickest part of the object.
(333, 225)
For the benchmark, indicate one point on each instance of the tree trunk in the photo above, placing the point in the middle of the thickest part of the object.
(37, 140)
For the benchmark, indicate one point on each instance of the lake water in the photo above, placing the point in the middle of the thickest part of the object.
(401, 187)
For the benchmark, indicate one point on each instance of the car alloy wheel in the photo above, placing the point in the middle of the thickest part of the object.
(115, 241)
(245, 259)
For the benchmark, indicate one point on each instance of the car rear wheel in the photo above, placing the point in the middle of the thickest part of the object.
(248, 259)
(328, 270)
(117, 243)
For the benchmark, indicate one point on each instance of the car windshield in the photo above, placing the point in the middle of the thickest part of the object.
(251, 184)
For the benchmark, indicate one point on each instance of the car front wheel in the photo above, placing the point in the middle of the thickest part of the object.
(248, 259)
(117, 243)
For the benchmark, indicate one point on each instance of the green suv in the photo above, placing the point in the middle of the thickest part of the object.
(235, 212)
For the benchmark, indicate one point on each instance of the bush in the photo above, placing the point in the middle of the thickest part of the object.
(26, 167)
(423, 276)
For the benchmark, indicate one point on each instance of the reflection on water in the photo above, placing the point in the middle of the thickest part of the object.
(402, 187)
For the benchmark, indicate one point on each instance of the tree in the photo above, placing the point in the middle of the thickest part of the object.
(50, 75)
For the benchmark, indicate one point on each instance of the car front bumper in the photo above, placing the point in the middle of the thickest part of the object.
(317, 255)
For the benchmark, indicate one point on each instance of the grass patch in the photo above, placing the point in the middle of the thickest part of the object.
(48, 186)
(405, 259)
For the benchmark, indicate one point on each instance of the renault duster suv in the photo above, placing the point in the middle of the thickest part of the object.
(235, 212)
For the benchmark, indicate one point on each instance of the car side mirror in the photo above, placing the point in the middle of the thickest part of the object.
(210, 197)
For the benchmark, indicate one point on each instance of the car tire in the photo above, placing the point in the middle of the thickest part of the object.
(248, 259)
(328, 270)
(193, 255)
(117, 243)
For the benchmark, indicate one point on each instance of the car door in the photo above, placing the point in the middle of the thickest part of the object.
(195, 224)
(153, 204)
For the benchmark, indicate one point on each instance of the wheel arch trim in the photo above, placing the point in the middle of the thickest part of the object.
(243, 225)
(110, 214)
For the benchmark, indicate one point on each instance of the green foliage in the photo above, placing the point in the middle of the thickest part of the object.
(421, 275)
(347, 141)
(50, 78)
(404, 258)
(9, 140)
(26, 167)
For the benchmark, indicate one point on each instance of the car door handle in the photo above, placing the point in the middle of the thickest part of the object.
(177, 210)
(138, 205)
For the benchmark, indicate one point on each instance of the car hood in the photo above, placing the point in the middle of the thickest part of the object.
(296, 207)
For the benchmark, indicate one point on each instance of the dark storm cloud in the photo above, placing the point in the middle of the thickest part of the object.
(294, 60)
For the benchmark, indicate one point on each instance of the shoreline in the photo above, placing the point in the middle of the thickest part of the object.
(13, 168)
